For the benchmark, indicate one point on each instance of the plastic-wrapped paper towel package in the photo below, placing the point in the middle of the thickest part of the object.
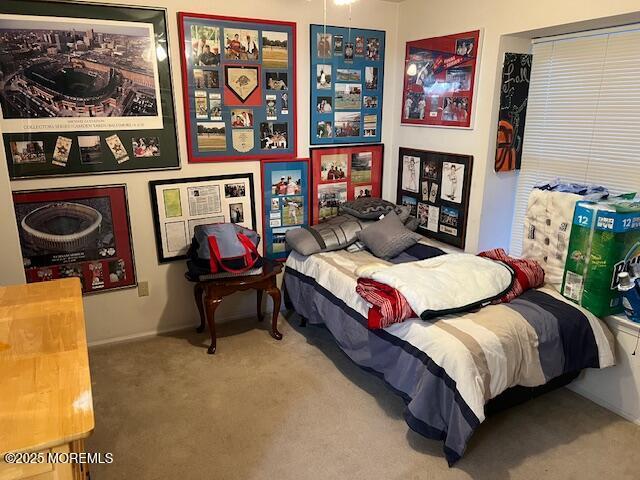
(547, 224)
(604, 241)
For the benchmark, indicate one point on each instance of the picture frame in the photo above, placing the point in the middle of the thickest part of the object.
(285, 203)
(239, 87)
(88, 104)
(512, 114)
(79, 232)
(347, 80)
(437, 186)
(343, 173)
(439, 80)
(180, 204)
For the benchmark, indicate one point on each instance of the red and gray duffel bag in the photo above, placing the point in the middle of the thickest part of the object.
(223, 250)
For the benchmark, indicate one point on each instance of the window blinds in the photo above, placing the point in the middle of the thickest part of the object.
(583, 115)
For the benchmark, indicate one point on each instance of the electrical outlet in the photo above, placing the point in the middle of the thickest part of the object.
(143, 289)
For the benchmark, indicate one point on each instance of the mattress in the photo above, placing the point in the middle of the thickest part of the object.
(447, 369)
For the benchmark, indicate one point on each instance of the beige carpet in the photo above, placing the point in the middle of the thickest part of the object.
(300, 409)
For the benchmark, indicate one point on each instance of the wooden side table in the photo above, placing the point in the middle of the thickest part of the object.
(209, 295)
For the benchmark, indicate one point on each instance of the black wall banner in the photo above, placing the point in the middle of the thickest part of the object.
(514, 93)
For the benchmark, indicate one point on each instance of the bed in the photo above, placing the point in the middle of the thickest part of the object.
(454, 370)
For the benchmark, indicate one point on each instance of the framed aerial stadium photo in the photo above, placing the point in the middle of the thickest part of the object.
(285, 203)
(239, 87)
(79, 232)
(181, 204)
(347, 79)
(85, 88)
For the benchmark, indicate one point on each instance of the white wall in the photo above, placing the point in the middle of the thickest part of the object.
(122, 314)
(11, 270)
(491, 209)
(616, 388)
(509, 26)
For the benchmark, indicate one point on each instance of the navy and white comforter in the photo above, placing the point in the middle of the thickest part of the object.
(447, 369)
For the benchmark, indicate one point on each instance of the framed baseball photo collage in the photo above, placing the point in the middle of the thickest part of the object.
(85, 89)
(347, 77)
(439, 80)
(285, 203)
(436, 186)
(239, 87)
(340, 174)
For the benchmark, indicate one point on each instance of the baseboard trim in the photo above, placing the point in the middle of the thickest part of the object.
(603, 403)
(174, 328)
(139, 336)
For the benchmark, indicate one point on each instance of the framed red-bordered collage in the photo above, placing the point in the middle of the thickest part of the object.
(239, 87)
(344, 173)
(439, 80)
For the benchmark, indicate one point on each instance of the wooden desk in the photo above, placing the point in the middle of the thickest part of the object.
(46, 403)
(212, 292)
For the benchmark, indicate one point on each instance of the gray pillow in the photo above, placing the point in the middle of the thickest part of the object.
(411, 223)
(334, 234)
(404, 212)
(369, 208)
(388, 237)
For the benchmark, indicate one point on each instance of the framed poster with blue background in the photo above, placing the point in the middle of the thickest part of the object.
(239, 87)
(347, 76)
(285, 200)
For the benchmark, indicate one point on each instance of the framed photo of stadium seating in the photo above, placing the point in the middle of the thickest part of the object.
(340, 174)
(437, 187)
(79, 232)
(347, 79)
(285, 203)
(239, 87)
(86, 89)
(181, 204)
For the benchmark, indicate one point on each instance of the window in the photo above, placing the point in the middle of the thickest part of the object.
(583, 117)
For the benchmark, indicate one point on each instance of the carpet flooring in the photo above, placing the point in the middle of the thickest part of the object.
(300, 409)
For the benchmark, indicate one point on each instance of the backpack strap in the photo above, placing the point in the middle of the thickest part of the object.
(214, 254)
(217, 261)
(250, 248)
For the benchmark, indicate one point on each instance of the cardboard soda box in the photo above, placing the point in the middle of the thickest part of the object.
(605, 240)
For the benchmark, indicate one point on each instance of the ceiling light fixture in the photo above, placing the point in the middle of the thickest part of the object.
(343, 2)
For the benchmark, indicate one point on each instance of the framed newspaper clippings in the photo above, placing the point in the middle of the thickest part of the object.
(180, 205)
(79, 232)
(347, 78)
(439, 80)
(343, 173)
(239, 83)
(436, 186)
(285, 203)
(86, 88)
